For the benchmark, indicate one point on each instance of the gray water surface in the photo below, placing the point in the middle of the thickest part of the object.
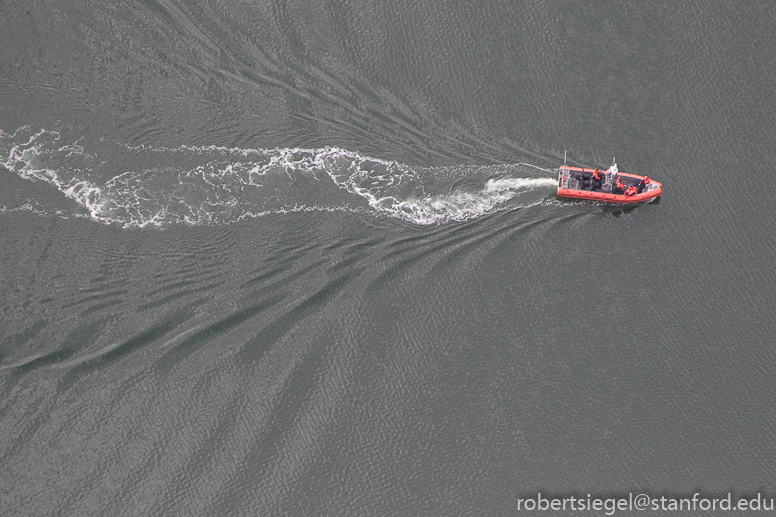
(294, 258)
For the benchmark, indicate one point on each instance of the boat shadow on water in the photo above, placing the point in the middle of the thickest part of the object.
(617, 209)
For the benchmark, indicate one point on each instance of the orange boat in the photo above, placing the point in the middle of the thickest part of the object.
(610, 186)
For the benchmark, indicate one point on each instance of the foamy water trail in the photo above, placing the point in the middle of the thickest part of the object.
(158, 186)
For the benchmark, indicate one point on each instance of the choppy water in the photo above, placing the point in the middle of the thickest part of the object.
(290, 258)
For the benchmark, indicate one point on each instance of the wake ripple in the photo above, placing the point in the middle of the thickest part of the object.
(141, 186)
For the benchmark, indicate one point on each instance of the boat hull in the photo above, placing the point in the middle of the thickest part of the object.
(571, 184)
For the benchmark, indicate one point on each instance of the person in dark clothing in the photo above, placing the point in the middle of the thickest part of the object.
(642, 184)
(598, 177)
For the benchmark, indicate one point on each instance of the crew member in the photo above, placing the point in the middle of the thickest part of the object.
(630, 191)
(618, 185)
(597, 177)
(643, 183)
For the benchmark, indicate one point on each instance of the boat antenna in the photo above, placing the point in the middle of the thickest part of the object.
(564, 157)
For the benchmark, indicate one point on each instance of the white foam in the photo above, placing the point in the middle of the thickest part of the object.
(501, 184)
(462, 205)
(219, 185)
